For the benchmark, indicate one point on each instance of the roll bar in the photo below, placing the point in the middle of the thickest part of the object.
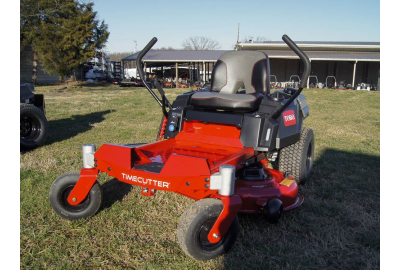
(141, 74)
(307, 68)
(303, 57)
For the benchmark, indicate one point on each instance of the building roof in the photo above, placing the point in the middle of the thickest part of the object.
(316, 50)
(313, 46)
(178, 56)
(354, 43)
(326, 55)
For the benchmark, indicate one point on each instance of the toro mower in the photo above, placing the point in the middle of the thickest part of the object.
(213, 146)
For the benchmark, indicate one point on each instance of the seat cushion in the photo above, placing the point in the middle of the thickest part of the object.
(227, 102)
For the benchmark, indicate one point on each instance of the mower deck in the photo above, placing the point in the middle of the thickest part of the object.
(184, 164)
(186, 167)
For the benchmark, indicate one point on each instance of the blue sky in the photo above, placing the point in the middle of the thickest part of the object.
(174, 21)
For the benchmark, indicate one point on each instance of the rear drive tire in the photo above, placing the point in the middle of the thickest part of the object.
(33, 126)
(298, 158)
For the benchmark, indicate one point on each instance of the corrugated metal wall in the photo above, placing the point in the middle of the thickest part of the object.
(292, 69)
(374, 72)
(277, 67)
(319, 69)
(27, 70)
(44, 78)
(26, 65)
(284, 68)
(366, 72)
(344, 72)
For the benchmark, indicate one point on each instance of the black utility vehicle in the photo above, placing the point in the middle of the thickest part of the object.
(33, 121)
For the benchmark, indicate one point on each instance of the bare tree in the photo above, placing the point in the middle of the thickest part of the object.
(165, 49)
(255, 39)
(200, 44)
(117, 56)
(251, 39)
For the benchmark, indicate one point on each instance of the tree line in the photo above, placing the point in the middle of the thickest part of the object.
(64, 33)
(61, 33)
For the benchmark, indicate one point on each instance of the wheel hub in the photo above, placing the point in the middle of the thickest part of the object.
(203, 236)
(73, 208)
(29, 128)
(25, 126)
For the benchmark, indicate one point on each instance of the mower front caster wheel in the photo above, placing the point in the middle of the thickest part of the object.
(196, 223)
(60, 190)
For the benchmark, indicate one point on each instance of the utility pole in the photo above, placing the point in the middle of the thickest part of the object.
(237, 42)
(134, 65)
(238, 33)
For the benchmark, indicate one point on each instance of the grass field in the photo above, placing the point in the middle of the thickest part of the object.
(337, 227)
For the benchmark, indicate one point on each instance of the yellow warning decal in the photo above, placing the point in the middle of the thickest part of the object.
(287, 182)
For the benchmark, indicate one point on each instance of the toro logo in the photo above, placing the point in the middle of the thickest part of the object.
(289, 118)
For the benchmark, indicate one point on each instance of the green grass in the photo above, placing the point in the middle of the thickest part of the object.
(337, 227)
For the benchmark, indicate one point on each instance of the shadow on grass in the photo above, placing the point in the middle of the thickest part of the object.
(93, 84)
(63, 129)
(99, 86)
(337, 227)
(113, 191)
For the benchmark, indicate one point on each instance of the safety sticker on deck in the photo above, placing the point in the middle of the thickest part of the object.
(287, 182)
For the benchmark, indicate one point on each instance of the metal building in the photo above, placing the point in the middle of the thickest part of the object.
(349, 62)
(200, 61)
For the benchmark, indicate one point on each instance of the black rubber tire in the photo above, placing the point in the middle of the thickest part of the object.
(62, 187)
(194, 226)
(298, 158)
(273, 210)
(33, 126)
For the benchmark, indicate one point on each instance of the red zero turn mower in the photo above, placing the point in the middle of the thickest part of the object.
(213, 146)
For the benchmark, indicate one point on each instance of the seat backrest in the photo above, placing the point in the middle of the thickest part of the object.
(237, 69)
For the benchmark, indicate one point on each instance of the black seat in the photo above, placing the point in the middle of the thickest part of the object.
(234, 71)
